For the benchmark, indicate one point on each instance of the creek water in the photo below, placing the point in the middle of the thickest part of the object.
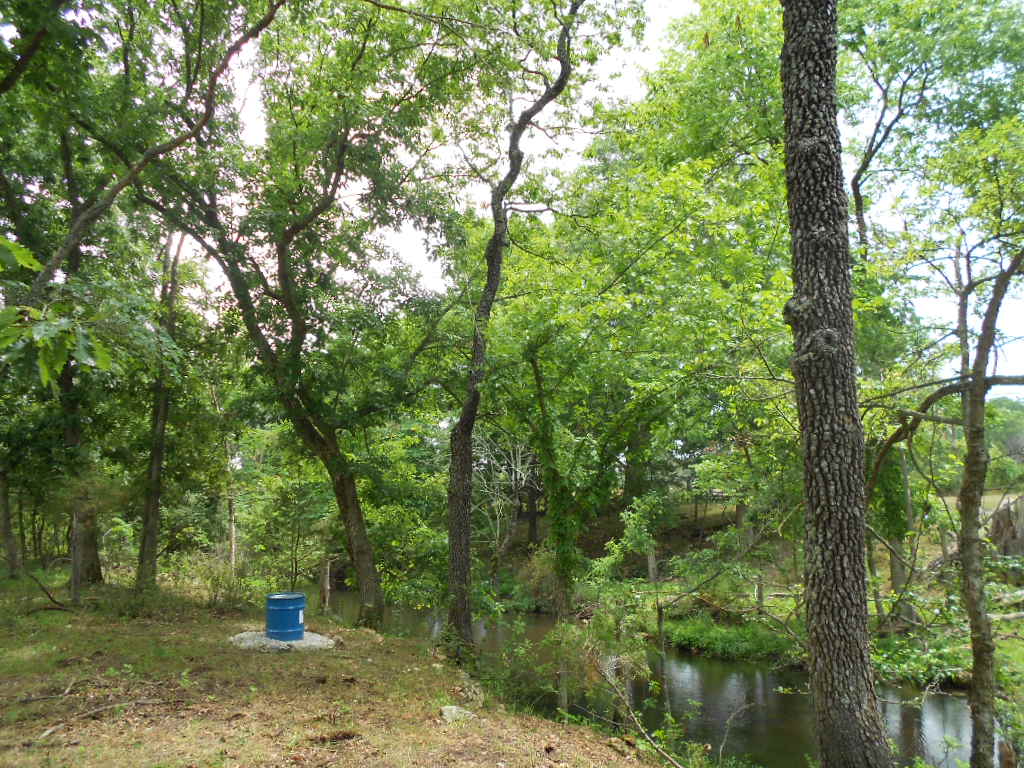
(756, 710)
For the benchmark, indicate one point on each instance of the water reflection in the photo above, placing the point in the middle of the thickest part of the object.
(760, 712)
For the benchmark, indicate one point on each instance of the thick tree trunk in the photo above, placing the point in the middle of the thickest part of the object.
(357, 543)
(89, 542)
(145, 576)
(6, 524)
(460, 500)
(848, 724)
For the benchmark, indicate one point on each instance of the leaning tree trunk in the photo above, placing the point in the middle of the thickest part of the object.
(357, 543)
(460, 473)
(145, 577)
(849, 727)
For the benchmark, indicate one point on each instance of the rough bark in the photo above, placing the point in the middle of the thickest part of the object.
(849, 728)
(460, 473)
(145, 576)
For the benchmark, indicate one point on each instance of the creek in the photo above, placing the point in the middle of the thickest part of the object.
(759, 711)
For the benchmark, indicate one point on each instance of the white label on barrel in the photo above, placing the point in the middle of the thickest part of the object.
(300, 615)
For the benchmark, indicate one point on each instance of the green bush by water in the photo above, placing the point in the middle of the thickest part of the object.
(923, 661)
(700, 633)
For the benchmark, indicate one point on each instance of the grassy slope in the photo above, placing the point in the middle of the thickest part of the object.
(186, 698)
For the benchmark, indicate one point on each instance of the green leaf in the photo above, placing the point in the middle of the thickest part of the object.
(13, 255)
(101, 355)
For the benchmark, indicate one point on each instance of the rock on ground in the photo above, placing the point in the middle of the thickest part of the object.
(452, 714)
(258, 641)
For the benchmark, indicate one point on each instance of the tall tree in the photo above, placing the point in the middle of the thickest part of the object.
(848, 724)
(460, 484)
(146, 574)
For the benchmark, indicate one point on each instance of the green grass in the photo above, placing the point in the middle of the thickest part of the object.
(701, 634)
(155, 683)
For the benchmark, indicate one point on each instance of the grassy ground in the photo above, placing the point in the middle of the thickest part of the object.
(90, 688)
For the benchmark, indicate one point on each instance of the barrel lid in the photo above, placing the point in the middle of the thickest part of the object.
(285, 595)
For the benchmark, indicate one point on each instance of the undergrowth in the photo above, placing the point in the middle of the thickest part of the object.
(702, 634)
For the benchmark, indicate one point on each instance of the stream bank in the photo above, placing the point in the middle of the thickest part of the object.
(745, 708)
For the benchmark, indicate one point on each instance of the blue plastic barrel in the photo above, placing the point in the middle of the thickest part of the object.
(286, 615)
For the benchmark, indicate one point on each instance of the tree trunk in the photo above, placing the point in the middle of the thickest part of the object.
(357, 543)
(972, 488)
(460, 498)
(460, 482)
(232, 533)
(89, 542)
(37, 535)
(10, 540)
(983, 677)
(145, 576)
(848, 724)
(76, 557)
(22, 532)
(84, 539)
(325, 583)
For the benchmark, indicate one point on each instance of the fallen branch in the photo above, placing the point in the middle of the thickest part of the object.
(1006, 616)
(728, 724)
(67, 690)
(620, 694)
(53, 599)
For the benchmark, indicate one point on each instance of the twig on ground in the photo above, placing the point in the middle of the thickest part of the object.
(72, 684)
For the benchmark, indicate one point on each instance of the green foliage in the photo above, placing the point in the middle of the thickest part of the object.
(208, 579)
(700, 633)
(922, 659)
